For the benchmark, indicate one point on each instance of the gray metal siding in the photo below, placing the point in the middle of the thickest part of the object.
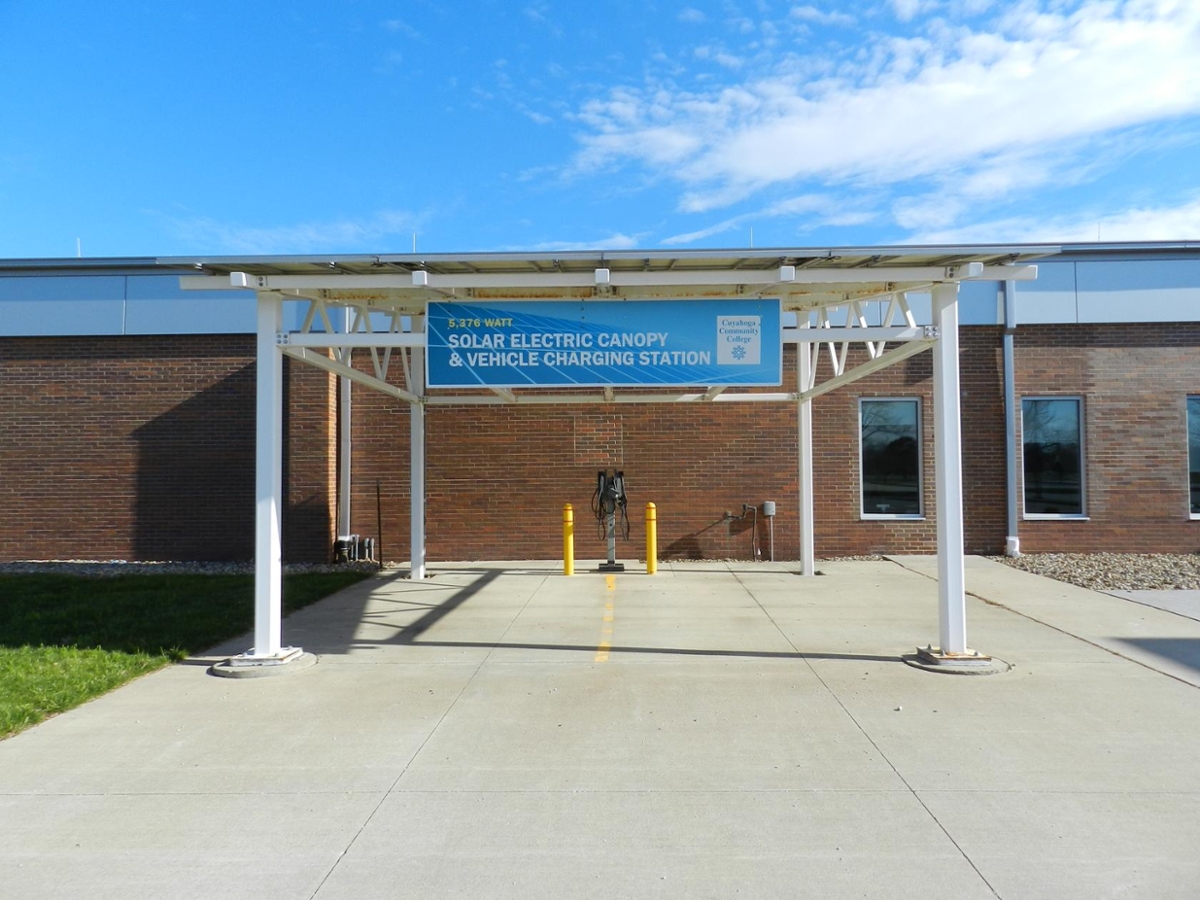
(1166, 290)
(63, 305)
(157, 305)
(1050, 299)
(1108, 291)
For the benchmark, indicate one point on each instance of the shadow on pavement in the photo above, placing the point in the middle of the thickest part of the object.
(677, 651)
(337, 635)
(1184, 651)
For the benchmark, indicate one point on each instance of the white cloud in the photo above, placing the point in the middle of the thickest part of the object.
(691, 15)
(617, 241)
(399, 26)
(821, 17)
(816, 210)
(306, 237)
(949, 102)
(540, 13)
(909, 9)
(390, 62)
(720, 57)
(1164, 223)
(700, 234)
(924, 213)
(961, 8)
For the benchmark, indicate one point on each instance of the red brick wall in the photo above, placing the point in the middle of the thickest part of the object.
(981, 368)
(310, 467)
(497, 477)
(1134, 380)
(379, 476)
(127, 447)
(839, 528)
(142, 448)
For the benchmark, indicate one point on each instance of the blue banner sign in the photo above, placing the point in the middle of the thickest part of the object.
(595, 343)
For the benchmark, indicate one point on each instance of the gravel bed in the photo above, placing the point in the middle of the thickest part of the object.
(108, 568)
(1115, 571)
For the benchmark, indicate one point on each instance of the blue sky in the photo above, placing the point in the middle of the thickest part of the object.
(153, 129)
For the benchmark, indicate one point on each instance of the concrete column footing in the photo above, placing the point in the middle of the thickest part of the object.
(248, 665)
(970, 662)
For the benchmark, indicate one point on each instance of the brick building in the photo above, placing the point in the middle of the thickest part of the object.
(127, 430)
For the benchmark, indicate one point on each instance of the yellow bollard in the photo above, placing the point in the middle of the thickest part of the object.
(568, 540)
(651, 539)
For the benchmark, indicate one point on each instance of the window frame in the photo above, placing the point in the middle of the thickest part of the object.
(1082, 515)
(1188, 400)
(876, 516)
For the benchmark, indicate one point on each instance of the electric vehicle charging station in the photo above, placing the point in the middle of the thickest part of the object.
(608, 501)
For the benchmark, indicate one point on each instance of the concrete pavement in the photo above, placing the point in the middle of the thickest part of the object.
(716, 730)
(1183, 603)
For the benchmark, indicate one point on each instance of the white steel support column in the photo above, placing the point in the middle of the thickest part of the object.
(417, 457)
(947, 438)
(344, 422)
(268, 481)
(805, 499)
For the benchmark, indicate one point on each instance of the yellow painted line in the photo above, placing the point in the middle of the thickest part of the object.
(605, 645)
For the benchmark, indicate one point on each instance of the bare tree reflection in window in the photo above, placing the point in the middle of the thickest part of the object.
(1053, 463)
(1193, 423)
(891, 458)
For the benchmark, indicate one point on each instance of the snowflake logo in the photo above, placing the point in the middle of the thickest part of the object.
(738, 352)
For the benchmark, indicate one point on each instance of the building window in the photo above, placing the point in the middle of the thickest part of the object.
(891, 457)
(1053, 456)
(1193, 424)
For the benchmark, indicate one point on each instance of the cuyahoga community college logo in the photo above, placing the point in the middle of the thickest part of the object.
(739, 340)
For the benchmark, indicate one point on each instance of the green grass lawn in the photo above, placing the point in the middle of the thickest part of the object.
(65, 639)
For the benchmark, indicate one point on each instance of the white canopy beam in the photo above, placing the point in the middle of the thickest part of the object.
(553, 399)
(617, 278)
(856, 334)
